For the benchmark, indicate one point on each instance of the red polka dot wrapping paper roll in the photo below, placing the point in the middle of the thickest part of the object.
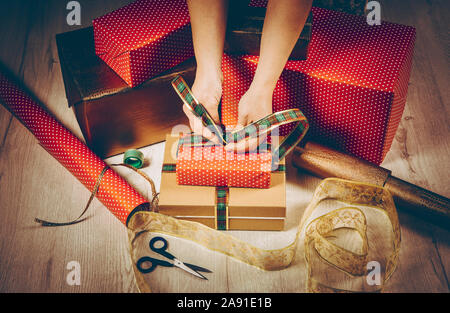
(352, 89)
(114, 192)
(144, 38)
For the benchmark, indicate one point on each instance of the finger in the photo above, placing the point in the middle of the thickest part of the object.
(238, 127)
(246, 145)
(189, 114)
(199, 129)
(208, 134)
(242, 121)
(195, 123)
(214, 113)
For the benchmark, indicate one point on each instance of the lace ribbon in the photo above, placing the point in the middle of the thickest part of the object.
(319, 236)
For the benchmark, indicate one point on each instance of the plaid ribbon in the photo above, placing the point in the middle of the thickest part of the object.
(253, 130)
(221, 212)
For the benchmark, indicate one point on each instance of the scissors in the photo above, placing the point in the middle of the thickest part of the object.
(190, 268)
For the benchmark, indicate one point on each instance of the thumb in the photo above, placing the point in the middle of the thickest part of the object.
(214, 113)
(241, 122)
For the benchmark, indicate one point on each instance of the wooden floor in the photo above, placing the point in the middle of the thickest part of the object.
(33, 184)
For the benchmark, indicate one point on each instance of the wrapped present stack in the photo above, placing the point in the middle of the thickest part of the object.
(222, 207)
(348, 78)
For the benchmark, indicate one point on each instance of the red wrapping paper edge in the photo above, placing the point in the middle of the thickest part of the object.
(114, 192)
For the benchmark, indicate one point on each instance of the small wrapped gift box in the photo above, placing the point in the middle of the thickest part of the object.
(113, 116)
(144, 38)
(352, 88)
(221, 207)
(214, 166)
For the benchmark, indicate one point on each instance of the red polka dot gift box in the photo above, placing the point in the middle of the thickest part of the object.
(352, 88)
(144, 38)
(214, 166)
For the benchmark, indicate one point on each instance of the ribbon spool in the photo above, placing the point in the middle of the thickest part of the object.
(134, 158)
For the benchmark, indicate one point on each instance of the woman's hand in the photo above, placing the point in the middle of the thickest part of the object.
(254, 105)
(207, 89)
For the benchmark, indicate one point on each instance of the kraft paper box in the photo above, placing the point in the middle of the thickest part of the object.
(113, 116)
(248, 208)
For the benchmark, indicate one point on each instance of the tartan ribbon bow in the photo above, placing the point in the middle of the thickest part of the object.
(252, 130)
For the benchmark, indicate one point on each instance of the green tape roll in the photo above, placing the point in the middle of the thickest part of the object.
(134, 158)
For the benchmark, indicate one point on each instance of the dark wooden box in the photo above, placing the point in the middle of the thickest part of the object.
(244, 30)
(357, 7)
(114, 117)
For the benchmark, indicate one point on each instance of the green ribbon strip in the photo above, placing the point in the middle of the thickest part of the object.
(253, 130)
(222, 195)
(134, 158)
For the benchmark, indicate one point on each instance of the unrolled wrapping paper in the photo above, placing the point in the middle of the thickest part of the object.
(114, 192)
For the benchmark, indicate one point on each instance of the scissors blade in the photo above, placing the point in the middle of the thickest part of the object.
(181, 265)
(197, 268)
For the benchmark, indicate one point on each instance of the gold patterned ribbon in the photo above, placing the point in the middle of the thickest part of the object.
(319, 228)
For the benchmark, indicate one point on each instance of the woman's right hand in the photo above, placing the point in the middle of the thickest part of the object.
(207, 89)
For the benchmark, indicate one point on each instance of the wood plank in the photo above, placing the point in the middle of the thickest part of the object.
(419, 155)
(32, 184)
(26, 169)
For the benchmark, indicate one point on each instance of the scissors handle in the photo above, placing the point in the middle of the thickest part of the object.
(154, 263)
(160, 250)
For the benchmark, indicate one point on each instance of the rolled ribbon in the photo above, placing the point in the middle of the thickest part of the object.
(113, 191)
(134, 158)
